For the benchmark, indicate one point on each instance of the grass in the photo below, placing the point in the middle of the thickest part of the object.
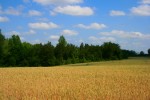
(111, 80)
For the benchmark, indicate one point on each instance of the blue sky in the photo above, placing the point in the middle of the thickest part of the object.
(126, 22)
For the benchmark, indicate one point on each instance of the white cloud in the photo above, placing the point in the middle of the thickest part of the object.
(43, 19)
(26, 1)
(37, 41)
(43, 26)
(13, 33)
(31, 32)
(1, 10)
(124, 34)
(142, 10)
(145, 1)
(69, 32)
(101, 39)
(34, 13)
(93, 38)
(22, 38)
(22, 33)
(54, 37)
(3, 19)
(13, 11)
(57, 2)
(107, 39)
(74, 10)
(117, 13)
(52, 13)
(92, 26)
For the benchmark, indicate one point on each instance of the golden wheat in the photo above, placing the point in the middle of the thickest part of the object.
(113, 80)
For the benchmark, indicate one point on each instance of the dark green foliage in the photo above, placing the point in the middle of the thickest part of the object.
(142, 53)
(47, 55)
(60, 50)
(149, 52)
(2, 39)
(26, 49)
(15, 53)
(128, 53)
(111, 51)
(71, 54)
(15, 50)
(34, 55)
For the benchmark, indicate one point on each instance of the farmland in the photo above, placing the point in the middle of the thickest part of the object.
(110, 80)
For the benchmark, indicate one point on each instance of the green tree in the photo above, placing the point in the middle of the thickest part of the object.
(71, 54)
(142, 53)
(15, 50)
(82, 53)
(47, 55)
(111, 51)
(95, 53)
(35, 59)
(26, 49)
(149, 52)
(60, 50)
(15, 53)
(6, 53)
(2, 40)
(62, 41)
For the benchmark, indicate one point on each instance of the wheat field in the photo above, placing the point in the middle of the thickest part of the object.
(110, 80)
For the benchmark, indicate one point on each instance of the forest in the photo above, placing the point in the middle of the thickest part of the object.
(15, 53)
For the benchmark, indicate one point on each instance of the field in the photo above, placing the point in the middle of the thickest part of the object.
(110, 80)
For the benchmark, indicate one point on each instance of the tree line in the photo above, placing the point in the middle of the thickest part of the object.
(14, 52)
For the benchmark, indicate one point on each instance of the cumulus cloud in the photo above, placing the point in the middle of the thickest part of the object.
(141, 10)
(36, 41)
(13, 11)
(117, 13)
(43, 26)
(54, 37)
(124, 34)
(22, 33)
(22, 38)
(145, 1)
(101, 39)
(107, 39)
(34, 13)
(31, 32)
(43, 19)
(26, 1)
(69, 32)
(4, 19)
(14, 33)
(57, 2)
(96, 26)
(73, 10)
